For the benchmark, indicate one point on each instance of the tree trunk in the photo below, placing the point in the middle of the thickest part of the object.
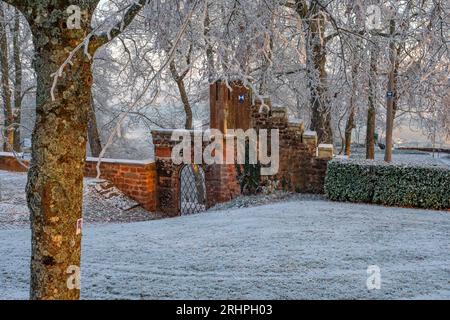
(391, 95)
(317, 74)
(370, 133)
(55, 178)
(188, 126)
(186, 104)
(348, 131)
(209, 48)
(95, 143)
(371, 111)
(320, 112)
(351, 117)
(264, 87)
(18, 82)
(179, 80)
(6, 88)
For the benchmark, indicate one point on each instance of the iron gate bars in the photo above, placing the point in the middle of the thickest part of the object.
(192, 190)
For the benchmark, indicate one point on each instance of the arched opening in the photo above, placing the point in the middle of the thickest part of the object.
(192, 190)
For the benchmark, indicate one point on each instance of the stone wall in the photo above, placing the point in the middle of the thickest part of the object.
(301, 170)
(136, 179)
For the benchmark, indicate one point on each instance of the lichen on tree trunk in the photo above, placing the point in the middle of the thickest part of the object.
(350, 125)
(55, 178)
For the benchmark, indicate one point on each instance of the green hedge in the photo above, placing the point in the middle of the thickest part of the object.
(388, 184)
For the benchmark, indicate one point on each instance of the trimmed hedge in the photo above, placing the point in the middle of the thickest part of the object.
(388, 184)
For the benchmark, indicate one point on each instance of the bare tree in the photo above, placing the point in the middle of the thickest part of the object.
(18, 75)
(5, 83)
(371, 109)
(391, 95)
(179, 80)
(314, 18)
(209, 49)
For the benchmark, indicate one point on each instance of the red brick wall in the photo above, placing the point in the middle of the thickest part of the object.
(9, 163)
(137, 179)
(221, 183)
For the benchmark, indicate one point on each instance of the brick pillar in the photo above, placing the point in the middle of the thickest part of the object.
(230, 109)
(221, 179)
(220, 98)
(168, 182)
(221, 183)
(240, 108)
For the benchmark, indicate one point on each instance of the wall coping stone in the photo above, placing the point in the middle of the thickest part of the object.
(309, 133)
(325, 146)
(170, 131)
(121, 161)
(92, 159)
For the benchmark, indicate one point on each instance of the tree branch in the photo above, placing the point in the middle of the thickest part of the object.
(129, 16)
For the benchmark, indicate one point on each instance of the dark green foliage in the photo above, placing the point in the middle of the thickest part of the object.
(388, 184)
(249, 175)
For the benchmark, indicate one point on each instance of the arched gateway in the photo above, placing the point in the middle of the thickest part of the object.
(192, 190)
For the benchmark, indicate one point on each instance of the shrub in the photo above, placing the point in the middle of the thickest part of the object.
(388, 184)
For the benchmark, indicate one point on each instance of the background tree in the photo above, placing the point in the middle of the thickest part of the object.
(5, 83)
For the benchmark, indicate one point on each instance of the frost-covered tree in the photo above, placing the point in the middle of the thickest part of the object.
(17, 77)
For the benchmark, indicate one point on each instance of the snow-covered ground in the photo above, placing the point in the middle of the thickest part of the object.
(290, 250)
(14, 211)
(445, 159)
(288, 247)
(408, 157)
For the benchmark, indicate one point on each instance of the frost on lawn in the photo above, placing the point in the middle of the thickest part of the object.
(103, 203)
(290, 250)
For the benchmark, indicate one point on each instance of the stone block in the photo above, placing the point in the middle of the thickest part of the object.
(325, 151)
(280, 112)
(310, 138)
